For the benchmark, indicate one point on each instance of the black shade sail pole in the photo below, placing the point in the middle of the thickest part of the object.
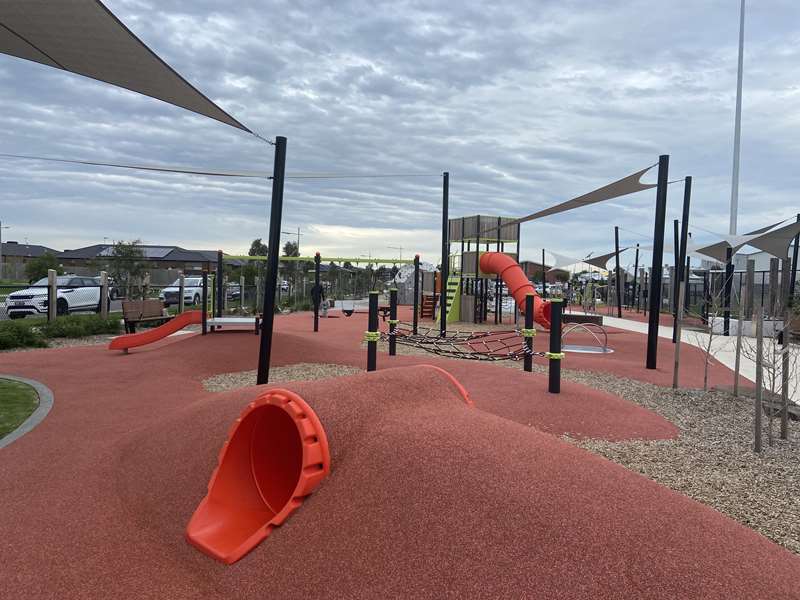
(683, 271)
(318, 292)
(794, 265)
(271, 279)
(634, 297)
(726, 315)
(416, 293)
(617, 274)
(445, 254)
(544, 277)
(674, 290)
(220, 286)
(658, 257)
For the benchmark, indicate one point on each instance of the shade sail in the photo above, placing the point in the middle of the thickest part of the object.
(84, 37)
(777, 242)
(600, 261)
(562, 261)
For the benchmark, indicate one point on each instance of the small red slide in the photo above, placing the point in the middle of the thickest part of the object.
(148, 336)
(516, 281)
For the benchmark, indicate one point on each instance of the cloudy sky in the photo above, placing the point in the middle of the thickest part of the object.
(525, 103)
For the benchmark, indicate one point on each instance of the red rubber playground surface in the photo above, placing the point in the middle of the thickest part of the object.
(426, 497)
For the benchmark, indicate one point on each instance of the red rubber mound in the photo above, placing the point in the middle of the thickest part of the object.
(148, 336)
(428, 498)
(518, 284)
(275, 455)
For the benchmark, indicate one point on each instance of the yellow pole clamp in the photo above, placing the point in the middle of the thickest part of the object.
(554, 355)
(372, 336)
(393, 321)
(528, 333)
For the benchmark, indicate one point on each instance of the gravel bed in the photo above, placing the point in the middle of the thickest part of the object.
(296, 372)
(712, 460)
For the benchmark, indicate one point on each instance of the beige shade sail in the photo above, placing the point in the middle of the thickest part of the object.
(84, 37)
(600, 261)
(777, 242)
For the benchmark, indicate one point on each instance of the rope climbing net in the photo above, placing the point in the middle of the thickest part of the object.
(469, 345)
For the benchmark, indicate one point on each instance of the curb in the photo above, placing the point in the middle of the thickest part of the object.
(37, 416)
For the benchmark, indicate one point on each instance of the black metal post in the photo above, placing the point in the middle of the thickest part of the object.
(392, 321)
(445, 254)
(794, 265)
(528, 333)
(683, 272)
(658, 257)
(544, 278)
(271, 278)
(416, 294)
(204, 306)
(634, 297)
(617, 274)
(318, 294)
(476, 286)
(728, 285)
(372, 332)
(676, 280)
(497, 305)
(555, 355)
(706, 293)
(220, 286)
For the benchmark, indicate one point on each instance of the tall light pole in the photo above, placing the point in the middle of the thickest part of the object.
(737, 129)
(298, 238)
(1, 246)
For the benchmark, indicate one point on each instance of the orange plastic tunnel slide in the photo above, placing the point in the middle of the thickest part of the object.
(148, 336)
(518, 285)
(275, 455)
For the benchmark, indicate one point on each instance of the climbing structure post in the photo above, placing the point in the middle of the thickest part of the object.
(317, 292)
(372, 335)
(555, 355)
(415, 319)
(392, 321)
(528, 332)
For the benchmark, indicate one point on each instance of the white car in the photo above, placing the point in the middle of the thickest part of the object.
(73, 294)
(192, 292)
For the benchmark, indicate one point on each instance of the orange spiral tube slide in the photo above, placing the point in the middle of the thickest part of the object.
(514, 277)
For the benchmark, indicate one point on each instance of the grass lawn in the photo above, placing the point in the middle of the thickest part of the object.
(17, 402)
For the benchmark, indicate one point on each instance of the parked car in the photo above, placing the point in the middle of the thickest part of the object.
(73, 294)
(192, 292)
(233, 291)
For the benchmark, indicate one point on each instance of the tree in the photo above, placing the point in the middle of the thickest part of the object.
(37, 268)
(126, 264)
(253, 268)
(291, 249)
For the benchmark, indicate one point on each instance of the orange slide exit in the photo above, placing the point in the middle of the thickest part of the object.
(148, 336)
(518, 285)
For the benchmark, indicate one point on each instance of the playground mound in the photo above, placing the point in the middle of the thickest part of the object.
(427, 497)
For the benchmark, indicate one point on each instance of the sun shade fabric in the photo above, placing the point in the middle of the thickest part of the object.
(84, 37)
(622, 187)
(562, 261)
(600, 261)
(777, 242)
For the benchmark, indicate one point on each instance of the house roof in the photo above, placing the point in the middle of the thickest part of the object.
(152, 253)
(26, 250)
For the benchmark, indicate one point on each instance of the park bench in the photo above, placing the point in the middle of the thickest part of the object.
(143, 311)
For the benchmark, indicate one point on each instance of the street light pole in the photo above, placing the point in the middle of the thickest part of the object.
(400, 248)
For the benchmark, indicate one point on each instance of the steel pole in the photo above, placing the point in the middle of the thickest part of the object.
(416, 294)
(634, 297)
(271, 279)
(658, 257)
(617, 274)
(445, 254)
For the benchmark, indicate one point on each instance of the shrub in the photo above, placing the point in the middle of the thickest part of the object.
(79, 326)
(15, 334)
